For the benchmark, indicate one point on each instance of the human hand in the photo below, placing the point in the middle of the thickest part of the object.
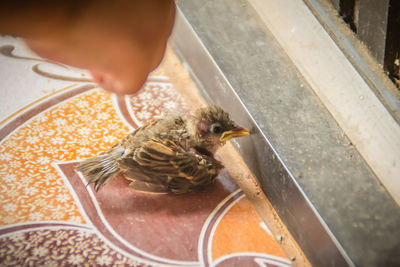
(119, 41)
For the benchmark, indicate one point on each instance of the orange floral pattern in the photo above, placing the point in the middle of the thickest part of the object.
(31, 189)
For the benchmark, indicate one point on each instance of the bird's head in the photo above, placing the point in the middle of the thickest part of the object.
(211, 127)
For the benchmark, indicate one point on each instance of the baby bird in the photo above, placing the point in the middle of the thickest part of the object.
(167, 155)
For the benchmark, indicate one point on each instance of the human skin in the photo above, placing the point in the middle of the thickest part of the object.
(119, 41)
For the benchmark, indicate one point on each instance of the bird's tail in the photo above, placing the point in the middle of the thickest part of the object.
(100, 169)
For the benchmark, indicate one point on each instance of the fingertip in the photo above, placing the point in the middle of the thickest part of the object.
(120, 87)
(97, 77)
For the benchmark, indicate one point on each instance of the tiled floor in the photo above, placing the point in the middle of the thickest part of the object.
(52, 117)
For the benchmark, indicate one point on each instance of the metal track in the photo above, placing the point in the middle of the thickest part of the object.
(321, 187)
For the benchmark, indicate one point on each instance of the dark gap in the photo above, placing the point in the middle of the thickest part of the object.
(392, 48)
(346, 11)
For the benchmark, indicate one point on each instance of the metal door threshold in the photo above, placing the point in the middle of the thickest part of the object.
(322, 188)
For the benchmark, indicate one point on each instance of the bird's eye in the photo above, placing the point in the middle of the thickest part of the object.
(216, 128)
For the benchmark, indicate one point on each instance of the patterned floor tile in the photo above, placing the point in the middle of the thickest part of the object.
(49, 217)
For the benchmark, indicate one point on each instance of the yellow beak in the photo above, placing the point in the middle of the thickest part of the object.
(238, 132)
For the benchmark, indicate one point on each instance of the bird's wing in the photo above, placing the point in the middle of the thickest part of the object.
(164, 164)
(142, 130)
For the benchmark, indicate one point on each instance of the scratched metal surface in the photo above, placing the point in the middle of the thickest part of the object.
(321, 187)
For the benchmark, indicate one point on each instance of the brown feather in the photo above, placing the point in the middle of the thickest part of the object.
(165, 155)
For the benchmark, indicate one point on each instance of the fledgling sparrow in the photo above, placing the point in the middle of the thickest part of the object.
(167, 155)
